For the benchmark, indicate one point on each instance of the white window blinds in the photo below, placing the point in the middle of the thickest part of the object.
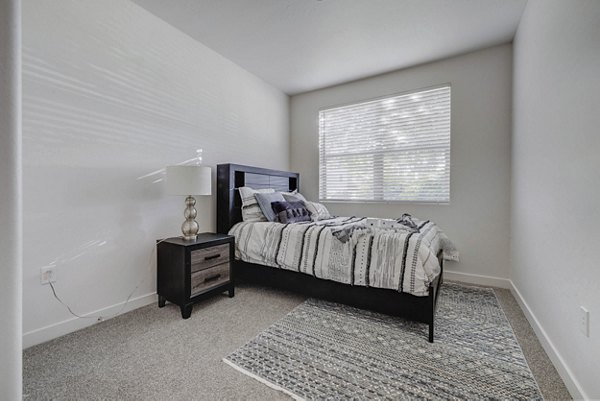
(391, 149)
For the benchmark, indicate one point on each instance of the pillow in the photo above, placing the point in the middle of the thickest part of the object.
(291, 212)
(250, 209)
(294, 196)
(264, 202)
(318, 211)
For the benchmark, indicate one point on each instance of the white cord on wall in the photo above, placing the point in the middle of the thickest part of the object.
(100, 318)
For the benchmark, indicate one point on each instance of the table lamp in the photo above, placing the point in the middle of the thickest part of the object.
(189, 181)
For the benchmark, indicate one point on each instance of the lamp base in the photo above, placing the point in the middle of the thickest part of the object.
(190, 227)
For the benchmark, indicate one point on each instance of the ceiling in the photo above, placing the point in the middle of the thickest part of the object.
(301, 45)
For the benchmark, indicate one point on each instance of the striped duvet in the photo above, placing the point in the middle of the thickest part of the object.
(347, 250)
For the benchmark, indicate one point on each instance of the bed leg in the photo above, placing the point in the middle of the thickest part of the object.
(434, 289)
(431, 311)
(431, 319)
(431, 332)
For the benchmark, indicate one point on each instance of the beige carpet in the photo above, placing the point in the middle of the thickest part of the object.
(153, 354)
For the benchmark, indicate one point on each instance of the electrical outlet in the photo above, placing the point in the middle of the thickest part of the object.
(584, 321)
(47, 275)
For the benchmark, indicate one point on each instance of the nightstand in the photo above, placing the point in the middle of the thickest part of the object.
(189, 271)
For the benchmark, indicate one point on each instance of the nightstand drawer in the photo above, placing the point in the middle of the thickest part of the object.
(206, 279)
(208, 257)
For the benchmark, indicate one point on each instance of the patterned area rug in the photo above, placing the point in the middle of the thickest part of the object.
(323, 350)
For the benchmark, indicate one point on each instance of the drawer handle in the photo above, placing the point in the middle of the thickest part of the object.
(212, 278)
(212, 256)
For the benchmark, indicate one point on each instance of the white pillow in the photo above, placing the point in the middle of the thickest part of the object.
(250, 208)
(318, 211)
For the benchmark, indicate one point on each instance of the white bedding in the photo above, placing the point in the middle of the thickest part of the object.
(349, 250)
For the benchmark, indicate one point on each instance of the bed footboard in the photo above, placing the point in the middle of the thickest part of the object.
(390, 302)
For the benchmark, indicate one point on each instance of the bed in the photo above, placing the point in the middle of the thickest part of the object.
(299, 265)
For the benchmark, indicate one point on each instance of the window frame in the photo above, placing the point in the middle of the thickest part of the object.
(383, 97)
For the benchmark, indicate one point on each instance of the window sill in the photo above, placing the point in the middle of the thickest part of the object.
(424, 203)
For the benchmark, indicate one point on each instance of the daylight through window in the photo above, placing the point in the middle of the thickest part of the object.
(390, 149)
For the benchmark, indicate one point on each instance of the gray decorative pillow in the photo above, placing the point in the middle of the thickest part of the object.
(318, 211)
(291, 212)
(294, 196)
(264, 201)
(250, 209)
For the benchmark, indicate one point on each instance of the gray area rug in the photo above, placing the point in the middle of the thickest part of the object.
(323, 350)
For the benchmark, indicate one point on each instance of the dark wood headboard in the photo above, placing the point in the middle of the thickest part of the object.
(232, 176)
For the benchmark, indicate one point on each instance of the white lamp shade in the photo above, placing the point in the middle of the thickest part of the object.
(189, 180)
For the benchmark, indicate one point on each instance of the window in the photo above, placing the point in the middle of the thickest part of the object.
(391, 149)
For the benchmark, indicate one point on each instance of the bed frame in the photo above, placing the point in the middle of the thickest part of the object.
(232, 176)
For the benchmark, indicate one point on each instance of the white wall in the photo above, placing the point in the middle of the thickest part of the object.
(477, 219)
(10, 200)
(555, 181)
(111, 95)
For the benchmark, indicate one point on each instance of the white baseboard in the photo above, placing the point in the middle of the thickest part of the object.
(477, 279)
(563, 370)
(56, 330)
(559, 363)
